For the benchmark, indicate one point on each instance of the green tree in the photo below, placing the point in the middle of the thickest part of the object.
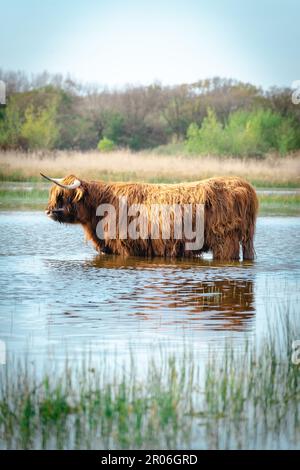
(287, 138)
(208, 138)
(113, 128)
(245, 133)
(10, 126)
(39, 127)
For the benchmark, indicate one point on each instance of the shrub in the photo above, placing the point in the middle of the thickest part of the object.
(106, 145)
(245, 133)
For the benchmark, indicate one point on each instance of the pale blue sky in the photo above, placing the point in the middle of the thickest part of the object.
(115, 42)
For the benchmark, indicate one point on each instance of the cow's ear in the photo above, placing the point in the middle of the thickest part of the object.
(79, 192)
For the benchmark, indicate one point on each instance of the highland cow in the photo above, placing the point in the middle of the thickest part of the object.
(230, 210)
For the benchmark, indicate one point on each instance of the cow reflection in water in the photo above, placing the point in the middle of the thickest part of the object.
(226, 304)
(174, 293)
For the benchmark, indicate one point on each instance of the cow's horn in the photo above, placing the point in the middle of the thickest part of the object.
(59, 181)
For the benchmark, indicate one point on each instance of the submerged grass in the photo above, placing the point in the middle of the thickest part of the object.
(85, 407)
(246, 398)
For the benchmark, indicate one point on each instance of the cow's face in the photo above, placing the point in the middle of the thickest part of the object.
(66, 200)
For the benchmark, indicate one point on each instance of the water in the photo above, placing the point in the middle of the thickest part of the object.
(57, 295)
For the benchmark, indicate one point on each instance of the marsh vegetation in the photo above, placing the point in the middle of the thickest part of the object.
(246, 398)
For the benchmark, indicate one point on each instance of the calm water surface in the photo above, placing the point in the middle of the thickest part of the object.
(56, 294)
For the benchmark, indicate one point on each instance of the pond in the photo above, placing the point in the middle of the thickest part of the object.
(58, 295)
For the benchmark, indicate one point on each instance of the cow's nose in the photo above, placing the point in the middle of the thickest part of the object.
(47, 212)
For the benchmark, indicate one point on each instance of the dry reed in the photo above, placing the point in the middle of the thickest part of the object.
(124, 165)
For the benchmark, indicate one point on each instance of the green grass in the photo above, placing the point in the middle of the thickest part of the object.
(279, 204)
(35, 199)
(245, 398)
(134, 176)
(265, 184)
(102, 410)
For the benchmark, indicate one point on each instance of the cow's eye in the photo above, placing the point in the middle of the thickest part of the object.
(60, 201)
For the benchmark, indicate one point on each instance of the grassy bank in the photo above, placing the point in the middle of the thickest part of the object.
(149, 167)
(21, 199)
(248, 398)
(34, 197)
(279, 204)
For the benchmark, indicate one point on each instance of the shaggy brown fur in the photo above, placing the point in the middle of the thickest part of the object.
(230, 204)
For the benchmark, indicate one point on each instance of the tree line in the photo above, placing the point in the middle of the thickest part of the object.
(216, 116)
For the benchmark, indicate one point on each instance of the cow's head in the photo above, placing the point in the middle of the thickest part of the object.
(66, 200)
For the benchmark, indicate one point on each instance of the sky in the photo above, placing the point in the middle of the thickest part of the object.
(119, 42)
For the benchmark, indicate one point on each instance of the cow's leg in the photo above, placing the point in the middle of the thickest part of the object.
(248, 249)
(227, 248)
